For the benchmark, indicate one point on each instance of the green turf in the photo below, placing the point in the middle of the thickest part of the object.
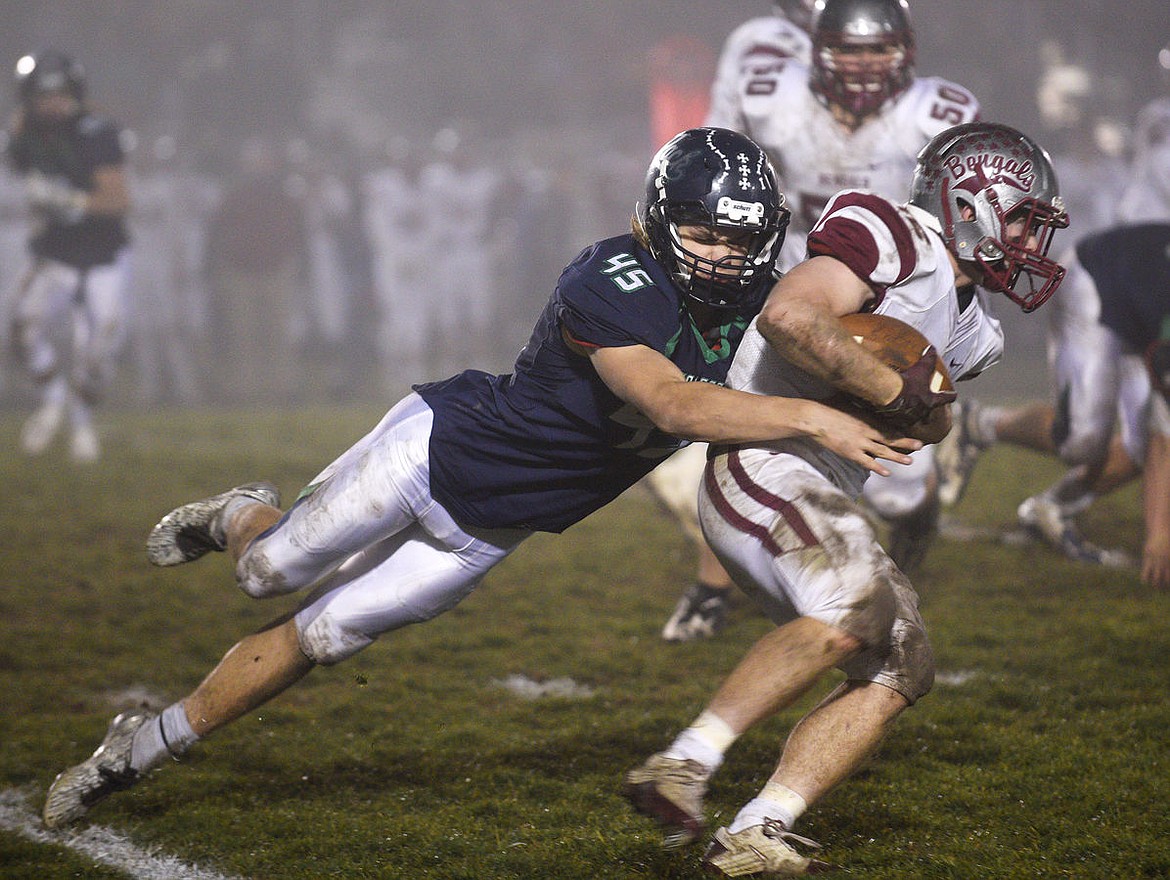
(1042, 752)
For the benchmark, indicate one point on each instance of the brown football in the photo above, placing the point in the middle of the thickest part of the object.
(899, 345)
(895, 343)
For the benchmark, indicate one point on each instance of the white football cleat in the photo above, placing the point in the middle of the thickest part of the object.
(670, 791)
(84, 447)
(41, 427)
(700, 613)
(1044, 520)
(104, 772)
(762, 849)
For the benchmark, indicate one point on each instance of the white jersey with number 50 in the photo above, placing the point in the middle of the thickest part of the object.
(815, 156)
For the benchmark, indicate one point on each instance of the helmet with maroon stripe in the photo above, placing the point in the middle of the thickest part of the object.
(862, 53)
(980, 178)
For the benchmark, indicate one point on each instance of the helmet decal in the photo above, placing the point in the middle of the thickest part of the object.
(996, 197)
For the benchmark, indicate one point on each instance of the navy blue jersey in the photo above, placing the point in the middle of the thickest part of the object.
(71, 152)
(1130, 266)
(546, 445)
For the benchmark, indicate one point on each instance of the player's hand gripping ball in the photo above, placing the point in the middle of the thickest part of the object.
(919, 411)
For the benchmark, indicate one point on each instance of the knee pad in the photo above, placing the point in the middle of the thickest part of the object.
(901, 658)
(912, 660)
(1087, 440)
(256, 576)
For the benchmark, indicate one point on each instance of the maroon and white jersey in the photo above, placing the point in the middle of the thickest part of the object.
(757, 42)
(898, 251)
(815, 156)
(1146, 197)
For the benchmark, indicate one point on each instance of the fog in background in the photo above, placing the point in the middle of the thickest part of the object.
(539, 110)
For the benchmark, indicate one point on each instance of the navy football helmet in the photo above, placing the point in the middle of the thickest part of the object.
(722, 179)
(49, 71)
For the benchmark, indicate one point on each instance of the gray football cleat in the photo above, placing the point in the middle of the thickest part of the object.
(188, 532)
(762, 849)
(1044, 520)
(670, 791)
(104, 772)
(700, 613)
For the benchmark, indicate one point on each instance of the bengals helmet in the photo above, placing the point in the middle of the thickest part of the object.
(978, 179)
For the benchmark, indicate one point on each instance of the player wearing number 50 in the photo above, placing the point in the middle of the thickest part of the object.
(626, 363)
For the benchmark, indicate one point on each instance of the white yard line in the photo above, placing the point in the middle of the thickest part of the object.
(103, 845)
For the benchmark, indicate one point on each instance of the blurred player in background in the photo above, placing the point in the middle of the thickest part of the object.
(628, 356)
(73, 167)
(855, 117)
(702, 609)
(1114, 309)
(781, 516)
(757, 42)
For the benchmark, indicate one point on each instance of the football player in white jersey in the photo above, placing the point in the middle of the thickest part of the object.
(854, 117)
(758, 41)
(702, 609)
(782, 516)
(1113, 309)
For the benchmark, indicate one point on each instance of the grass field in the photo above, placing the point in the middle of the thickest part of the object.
(1044, 750)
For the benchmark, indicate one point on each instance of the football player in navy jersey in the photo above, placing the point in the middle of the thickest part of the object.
(72, 165)
(1109, 333)
(1114, 307)
(626, 363)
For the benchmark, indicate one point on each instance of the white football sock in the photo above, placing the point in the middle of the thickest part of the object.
(704, 741)
(168, 735)
(775, 801)
(985, 432)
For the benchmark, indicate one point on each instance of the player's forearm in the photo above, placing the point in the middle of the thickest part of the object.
(723, 415)
(1156, 490)
(816, 342)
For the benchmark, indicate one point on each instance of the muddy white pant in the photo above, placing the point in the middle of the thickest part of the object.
(800, 547)
(378, 550)
(55, 299)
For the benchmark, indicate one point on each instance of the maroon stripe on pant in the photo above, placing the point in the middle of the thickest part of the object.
(762, 496)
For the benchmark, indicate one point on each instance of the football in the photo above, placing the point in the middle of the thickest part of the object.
(895, 343)
(898, 345)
